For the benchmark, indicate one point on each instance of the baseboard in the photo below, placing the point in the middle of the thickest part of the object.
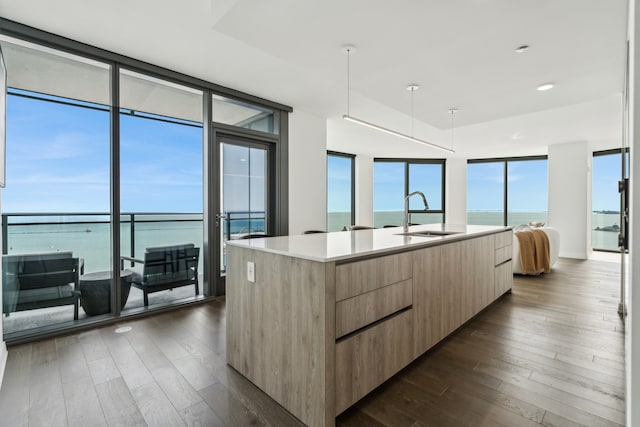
(3, 360)
(574, 255)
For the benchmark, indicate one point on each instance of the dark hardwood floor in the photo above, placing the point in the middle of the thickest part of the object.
(551, 353)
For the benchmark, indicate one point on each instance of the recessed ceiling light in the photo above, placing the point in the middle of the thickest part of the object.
(545, 86)
(522, 48)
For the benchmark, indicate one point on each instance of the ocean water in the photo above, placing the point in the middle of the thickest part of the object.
(606, 240)
(88, 236)
(91, 241)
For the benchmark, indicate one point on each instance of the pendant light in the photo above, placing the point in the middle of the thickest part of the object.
(348, 50)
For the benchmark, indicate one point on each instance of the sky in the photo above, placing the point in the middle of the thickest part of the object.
(526, 189)
(527, 185)
(58, 161)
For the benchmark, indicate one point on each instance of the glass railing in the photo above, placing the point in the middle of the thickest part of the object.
(88, 234)
(605, 228)
(242, 223)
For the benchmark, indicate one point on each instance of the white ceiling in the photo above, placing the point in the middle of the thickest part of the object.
(460, 52)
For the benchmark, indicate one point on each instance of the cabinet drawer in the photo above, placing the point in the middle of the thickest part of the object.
(364, 309)
(503, 278)
(503, 239)
(503, 254)
(363, 276)
(366, 360)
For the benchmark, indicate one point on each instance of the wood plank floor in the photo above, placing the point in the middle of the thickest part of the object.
(551, 353)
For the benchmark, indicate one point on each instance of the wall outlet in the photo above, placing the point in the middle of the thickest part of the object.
(251, 271)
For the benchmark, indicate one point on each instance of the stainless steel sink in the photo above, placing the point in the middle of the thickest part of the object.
(429, 233)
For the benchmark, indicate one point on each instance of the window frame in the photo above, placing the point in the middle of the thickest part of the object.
(505, 190)
(116, 62)
(411, 161)
(625, 166)
(352, 157)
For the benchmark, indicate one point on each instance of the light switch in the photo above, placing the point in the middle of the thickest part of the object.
(251, 271)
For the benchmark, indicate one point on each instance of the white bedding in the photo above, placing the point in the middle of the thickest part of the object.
(554, 248)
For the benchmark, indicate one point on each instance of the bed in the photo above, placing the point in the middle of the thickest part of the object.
(554, 246)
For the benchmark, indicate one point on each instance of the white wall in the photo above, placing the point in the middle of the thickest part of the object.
(307, 172)
(632, 326)
(570, 197)
(456, 191)
(364, 190)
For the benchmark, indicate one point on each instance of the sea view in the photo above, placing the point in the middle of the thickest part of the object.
(606, 240)
(91, 240)
(88, 237)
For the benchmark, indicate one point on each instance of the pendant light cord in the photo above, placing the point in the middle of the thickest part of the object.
(412, 90)
(348, 82)
(452, 113)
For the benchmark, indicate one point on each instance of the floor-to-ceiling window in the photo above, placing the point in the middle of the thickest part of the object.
(485, 193)
(527, 190)
(161, 184)
(605, 200)
(507, 191)
(55, 207)
(340, 191)
(108, 158)
(393, 179)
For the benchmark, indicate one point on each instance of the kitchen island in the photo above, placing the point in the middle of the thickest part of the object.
(318, 321)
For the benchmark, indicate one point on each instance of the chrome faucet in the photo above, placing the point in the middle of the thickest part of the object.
(405, 221)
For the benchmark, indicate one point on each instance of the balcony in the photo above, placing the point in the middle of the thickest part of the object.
(87, 236)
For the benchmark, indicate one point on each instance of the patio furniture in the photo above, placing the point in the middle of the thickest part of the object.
(164, 268)
(95, 291)
(32, 281)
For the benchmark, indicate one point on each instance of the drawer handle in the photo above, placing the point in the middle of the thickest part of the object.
(374, 324)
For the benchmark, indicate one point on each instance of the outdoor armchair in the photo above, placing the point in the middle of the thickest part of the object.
(164, 268)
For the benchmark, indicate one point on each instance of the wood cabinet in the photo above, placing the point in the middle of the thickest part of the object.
(318, 336)
(467, 280)
(503, 278)
(367, 359)
(364, 309)
(357, 277)
(427, 300)
(503, 271)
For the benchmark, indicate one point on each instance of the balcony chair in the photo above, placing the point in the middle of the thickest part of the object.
(164, 268)
(42, 280)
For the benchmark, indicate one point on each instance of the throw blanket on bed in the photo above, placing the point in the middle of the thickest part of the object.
(534, 251)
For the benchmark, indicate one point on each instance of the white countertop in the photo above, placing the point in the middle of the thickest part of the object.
(343, 245)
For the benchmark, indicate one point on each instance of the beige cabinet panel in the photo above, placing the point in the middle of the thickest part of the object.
(427, 300)
(359, 277)
(366, 360)
(364, 309)
(503, 239)
(503, 278)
